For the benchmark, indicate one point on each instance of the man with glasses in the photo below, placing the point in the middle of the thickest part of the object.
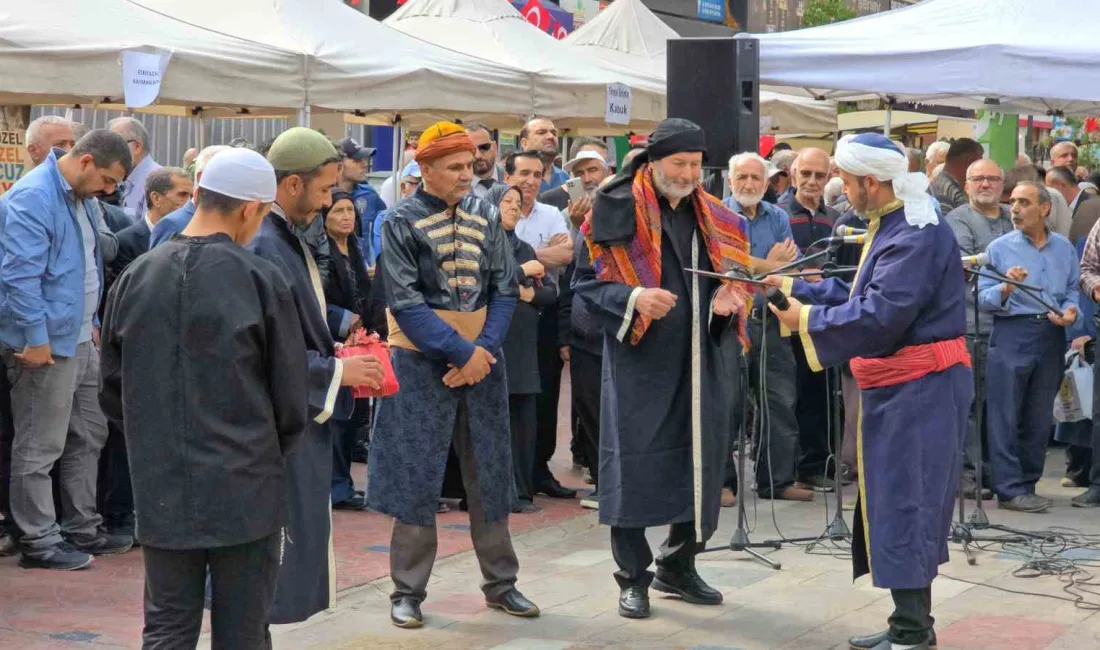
(947, 187)
(487, 173)
(811, 221)
(51, 280)
(133, 191)
(976, 225)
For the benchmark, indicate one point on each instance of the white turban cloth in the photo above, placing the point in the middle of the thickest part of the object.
(875, 155)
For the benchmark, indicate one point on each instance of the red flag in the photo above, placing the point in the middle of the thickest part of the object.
(1091, 125)
(536, 14)
(559, 31)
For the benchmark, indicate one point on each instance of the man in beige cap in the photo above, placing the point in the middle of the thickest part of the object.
(306, 169)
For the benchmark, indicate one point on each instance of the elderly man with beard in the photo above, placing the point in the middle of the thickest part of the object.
(672, 351)
(900, 324)
(450, 286)
(771, 246)
(976, 225)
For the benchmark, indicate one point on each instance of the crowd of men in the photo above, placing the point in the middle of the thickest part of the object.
(467, 255)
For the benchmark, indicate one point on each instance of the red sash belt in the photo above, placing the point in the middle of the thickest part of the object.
(909, 363)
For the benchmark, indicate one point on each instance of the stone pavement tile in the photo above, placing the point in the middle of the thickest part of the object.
(754, 626)
(660, 626)
(728, 576)
(993, 632)
(587, 557)
(1083, 635)
(533, 644)
(549, 626)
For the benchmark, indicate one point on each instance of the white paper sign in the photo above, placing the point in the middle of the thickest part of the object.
(141, 76)
(618, 104)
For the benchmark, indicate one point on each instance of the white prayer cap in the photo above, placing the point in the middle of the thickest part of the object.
(873, 154)
(240, 174)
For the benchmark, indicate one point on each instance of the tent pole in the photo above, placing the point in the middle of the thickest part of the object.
(398, 142)
(303, 116)
(886, 121)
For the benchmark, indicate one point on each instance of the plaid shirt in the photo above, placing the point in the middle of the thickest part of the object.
(1090, 264)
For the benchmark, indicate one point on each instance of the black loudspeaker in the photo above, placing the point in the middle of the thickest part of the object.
(715, 82)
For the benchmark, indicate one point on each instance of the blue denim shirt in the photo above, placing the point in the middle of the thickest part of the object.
(1053, 267)
(172, 223)
(770, 226)
(557, 178)
(42, 262)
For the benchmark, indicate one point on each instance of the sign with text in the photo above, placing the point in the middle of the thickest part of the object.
(713, 11)
(14, 159)
(141, 76)
(618, 104)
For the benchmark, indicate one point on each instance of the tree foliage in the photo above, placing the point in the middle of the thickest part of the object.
(823, 12)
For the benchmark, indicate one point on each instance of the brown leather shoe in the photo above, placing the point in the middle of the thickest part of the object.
(729, 499)
(796, 492)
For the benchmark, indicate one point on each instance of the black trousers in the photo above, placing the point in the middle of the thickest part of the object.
(911, 623)
(345, 436)
(977, 441)
(633, 555)
(523, 416)
(115, 493)
(585, 375)
(779, 427)
(242, 580)
(550, 367)
(1079, 464)
(812, 413)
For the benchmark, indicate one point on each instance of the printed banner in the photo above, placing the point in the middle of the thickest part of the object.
(14, 159)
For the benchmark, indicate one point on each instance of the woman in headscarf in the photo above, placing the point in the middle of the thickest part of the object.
(521, 350)
(347, 292)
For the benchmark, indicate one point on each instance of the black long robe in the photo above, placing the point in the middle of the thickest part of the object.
(203, 365)
(307, 576)
(651, 473)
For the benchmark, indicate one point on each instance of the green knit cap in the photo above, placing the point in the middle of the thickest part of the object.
(300, 150)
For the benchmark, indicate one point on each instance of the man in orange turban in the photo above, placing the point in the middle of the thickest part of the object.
(450, 288)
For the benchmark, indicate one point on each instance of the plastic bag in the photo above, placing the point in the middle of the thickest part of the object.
(1073, 402)
(361, 344)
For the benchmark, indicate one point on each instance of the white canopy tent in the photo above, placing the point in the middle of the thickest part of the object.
(629, 35)
(570, 89)
(354, 63)
(68, 52)
(1005, 55)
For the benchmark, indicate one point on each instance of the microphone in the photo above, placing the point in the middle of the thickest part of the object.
(846, 239)
(981, 259)
(844, 231)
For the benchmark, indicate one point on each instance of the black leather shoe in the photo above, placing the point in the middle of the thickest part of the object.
(7, 545)
(876, 641)
(634, 602)
(405, 613)
(688, 586)
(357, 501)
(514, 603)
(555, 490)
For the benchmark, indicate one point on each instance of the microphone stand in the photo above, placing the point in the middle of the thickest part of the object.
(962, 531)
(740, 540)
(837, 529)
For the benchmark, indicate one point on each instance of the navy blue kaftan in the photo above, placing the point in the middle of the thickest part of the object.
(910, 290)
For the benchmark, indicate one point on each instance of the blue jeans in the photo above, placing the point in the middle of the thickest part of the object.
(1023, 373)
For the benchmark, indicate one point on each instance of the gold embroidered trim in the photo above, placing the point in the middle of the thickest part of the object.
(466, 265)
(428, 222)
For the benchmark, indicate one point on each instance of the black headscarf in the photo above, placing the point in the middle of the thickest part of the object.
(613, 219)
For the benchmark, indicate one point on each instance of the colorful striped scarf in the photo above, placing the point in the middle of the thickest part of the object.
(638, 264)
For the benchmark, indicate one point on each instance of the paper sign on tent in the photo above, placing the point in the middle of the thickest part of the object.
(141, 76)
(618, 104)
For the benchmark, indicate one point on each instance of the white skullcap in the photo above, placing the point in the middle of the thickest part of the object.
(873, 154)
(240, 174)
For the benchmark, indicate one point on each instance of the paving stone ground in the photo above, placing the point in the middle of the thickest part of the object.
(810, 604)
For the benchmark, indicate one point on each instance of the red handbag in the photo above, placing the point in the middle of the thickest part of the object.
(361, 344)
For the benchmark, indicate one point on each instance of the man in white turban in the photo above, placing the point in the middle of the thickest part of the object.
(900, 323)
